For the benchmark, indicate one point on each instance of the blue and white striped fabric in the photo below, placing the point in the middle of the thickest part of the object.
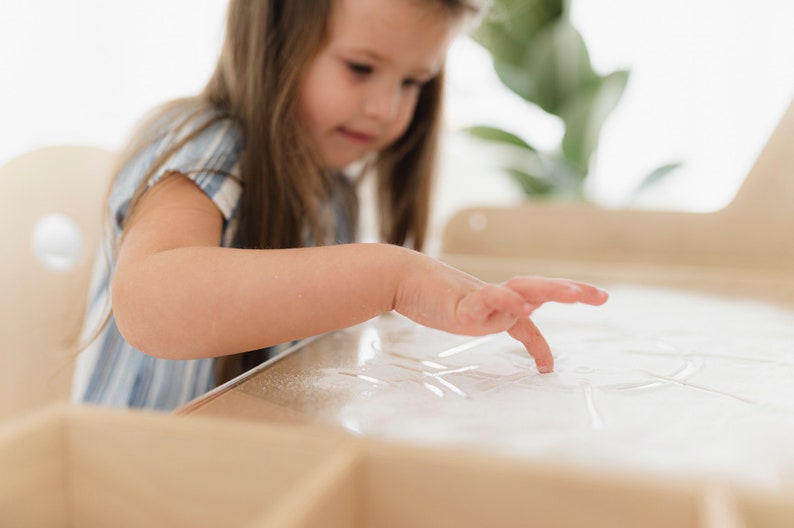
(111, 372)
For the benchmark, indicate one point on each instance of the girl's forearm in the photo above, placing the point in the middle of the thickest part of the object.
(195, 302)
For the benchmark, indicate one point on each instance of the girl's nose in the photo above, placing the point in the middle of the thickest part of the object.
(382, 103)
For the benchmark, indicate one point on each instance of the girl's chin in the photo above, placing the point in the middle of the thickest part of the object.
(343, 162)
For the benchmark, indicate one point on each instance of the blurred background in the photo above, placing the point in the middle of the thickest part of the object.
(701, 84)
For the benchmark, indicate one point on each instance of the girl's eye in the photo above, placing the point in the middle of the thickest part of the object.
(359, 69)
(413, 83)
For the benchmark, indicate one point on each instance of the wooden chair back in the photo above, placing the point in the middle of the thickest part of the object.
(51, 203)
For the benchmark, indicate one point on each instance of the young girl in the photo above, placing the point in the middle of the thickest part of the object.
(235, 221)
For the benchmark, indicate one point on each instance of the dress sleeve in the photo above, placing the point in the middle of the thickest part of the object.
(210, 159)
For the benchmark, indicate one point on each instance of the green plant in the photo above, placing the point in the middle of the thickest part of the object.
(539, 55)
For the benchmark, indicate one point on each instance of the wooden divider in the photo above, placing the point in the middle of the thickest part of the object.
(77, 466)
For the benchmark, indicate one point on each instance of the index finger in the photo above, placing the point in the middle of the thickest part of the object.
(528, 334)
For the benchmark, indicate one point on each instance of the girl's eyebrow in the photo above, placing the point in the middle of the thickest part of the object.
(376, 57)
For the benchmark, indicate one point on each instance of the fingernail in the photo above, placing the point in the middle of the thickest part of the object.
(545, 369)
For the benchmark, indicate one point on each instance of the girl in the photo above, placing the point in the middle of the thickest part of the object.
(234, 221)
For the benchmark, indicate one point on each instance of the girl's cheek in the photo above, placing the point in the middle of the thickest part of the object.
(398, 132)
(405, 119)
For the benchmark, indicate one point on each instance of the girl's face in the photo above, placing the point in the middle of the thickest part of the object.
(359, 93)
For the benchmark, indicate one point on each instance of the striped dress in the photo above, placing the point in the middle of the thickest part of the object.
(111, 372)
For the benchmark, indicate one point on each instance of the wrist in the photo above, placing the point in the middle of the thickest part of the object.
(393, 268)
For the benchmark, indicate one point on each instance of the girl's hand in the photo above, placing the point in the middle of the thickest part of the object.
(438, 296)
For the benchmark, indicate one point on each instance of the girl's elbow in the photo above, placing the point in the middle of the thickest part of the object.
(134, 332)
(135, 323)
(141, 336)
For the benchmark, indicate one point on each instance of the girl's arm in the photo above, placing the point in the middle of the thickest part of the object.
(178, 295)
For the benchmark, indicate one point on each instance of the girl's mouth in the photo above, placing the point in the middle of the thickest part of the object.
(355, 136)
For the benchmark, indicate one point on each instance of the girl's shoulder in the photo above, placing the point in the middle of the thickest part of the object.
(188, 137)
(199, 141)
(189, 123)
(180, 123)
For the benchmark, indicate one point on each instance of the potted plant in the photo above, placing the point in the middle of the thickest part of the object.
(539, 55)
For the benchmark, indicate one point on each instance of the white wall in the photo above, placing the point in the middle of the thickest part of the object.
(710, 79)
(83, 71)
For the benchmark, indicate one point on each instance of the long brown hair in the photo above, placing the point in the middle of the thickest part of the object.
(267, 46)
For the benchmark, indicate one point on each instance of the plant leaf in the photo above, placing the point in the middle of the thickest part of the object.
(517, 79)
(559, 65)
(510, 24)
(567, 177)
(498, 135)
(585, 115)
(655, 177)
(531, 185)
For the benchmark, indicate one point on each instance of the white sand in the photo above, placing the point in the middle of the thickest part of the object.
(654, 381)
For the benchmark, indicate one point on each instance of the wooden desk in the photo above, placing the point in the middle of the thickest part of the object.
(658, 380)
